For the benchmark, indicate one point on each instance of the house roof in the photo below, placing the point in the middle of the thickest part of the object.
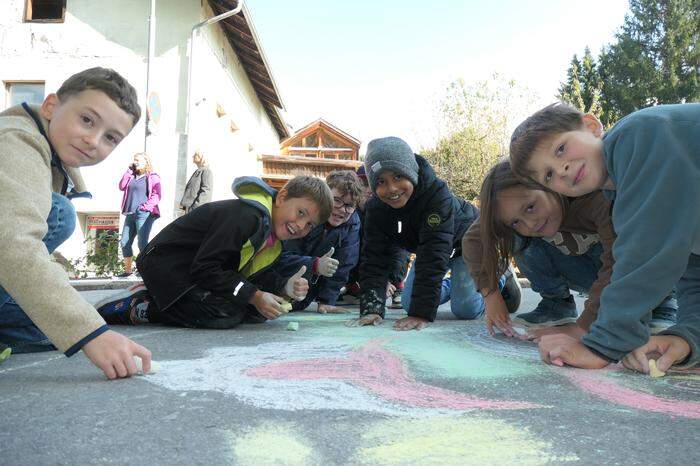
(244, 40)
(311, 127)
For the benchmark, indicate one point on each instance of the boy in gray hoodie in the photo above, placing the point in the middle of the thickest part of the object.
(648, 164)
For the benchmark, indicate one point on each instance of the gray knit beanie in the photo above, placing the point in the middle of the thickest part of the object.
(390, 153)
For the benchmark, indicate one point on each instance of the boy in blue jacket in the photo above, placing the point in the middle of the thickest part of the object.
(649, 165)
(329, 251)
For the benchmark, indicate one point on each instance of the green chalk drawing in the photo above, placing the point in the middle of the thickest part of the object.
(453, 441)
(431, 356)
(432, 352)
(271, 444)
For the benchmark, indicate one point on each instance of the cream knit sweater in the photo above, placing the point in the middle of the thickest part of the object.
(37, 284)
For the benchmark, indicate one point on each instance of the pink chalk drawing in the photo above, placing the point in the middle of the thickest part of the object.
(383, 374)
(598, 384)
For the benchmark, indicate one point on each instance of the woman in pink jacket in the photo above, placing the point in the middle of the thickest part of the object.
(141, 186)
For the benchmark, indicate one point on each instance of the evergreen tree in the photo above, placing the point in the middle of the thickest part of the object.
(591, 85)
(583, 85)
(655, 60)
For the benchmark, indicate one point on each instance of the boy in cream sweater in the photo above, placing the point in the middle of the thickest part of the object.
(41, 150)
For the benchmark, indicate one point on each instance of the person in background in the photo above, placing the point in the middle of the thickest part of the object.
(141, 186)
(198, 188)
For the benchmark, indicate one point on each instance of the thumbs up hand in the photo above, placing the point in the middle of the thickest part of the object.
(326, 265)
(297, 286)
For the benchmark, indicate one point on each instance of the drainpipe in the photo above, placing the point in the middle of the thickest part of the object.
(195, 30)
(149, 59)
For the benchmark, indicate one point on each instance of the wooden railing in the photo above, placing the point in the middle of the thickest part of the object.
(275, 166)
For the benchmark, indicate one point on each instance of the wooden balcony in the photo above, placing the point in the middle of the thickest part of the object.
(277, 169)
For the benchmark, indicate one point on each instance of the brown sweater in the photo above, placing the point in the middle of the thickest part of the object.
(586, 221)
(37, 284)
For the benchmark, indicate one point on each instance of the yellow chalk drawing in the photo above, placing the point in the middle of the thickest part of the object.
(278, 444)
(469, 440)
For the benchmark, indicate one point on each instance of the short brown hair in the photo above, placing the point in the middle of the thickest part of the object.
(497, 239)
(347, 182)
(554, 119)
(312, 188)
(105, 80)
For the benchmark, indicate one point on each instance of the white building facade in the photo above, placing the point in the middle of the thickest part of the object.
(234, 105)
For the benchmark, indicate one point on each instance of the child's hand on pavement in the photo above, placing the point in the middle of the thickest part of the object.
(297, 286)
(560, 349)
(390, 289)
(669, 349)
(410, 323)
(326, 265)
(114, 354)
(571, 329)
(497, 315)
(267, 304)
(367, 319)
(329, 309)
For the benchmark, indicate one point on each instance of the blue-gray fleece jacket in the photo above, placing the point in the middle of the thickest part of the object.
(653, 159)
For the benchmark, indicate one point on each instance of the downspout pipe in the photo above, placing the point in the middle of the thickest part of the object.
(195, 30)
(149, 59)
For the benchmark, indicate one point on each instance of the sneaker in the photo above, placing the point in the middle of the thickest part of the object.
(664, 316)
(124, 275)
(396, 299)
(128, 307)
(5, 352)
(550, 311)
(511, 291)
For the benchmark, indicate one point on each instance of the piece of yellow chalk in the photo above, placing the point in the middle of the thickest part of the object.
(654, 370)
(286, 306)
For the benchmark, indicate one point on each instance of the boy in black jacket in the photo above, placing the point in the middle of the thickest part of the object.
(413, 209)
(212, 268)
(398, 268)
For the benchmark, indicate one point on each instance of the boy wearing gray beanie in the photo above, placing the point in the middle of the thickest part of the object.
(413, 209)
(393, 154)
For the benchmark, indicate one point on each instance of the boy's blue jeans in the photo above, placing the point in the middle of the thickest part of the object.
(136, 224)
(465, 300)
(16, 328)
(552, 273)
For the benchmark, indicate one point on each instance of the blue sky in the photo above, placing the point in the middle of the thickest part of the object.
(376, 68)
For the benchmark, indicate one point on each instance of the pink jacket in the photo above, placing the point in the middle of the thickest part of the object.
(152, 190)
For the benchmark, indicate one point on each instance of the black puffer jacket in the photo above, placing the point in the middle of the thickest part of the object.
(431, 225)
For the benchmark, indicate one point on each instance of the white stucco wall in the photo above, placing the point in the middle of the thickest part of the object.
(115, 34)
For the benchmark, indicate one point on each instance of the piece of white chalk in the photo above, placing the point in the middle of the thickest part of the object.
(155, 367)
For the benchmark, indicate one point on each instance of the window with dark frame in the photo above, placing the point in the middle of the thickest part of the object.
(45, 11)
